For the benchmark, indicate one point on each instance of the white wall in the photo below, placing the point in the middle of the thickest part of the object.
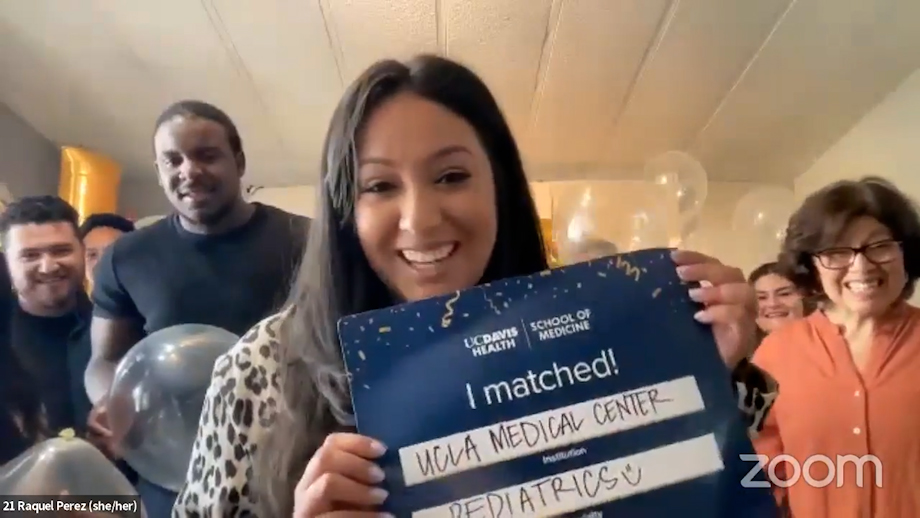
(618, 199)
(298, 199)
(31, 163)
(886, 142)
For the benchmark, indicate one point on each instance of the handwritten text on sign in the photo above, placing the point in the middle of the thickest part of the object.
(593, 485)
(548, 430)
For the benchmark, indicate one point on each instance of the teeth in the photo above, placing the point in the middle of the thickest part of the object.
(862, 286)
(428, 256)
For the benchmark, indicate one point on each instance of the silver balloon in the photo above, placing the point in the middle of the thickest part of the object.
(155, 402)
(64, 465)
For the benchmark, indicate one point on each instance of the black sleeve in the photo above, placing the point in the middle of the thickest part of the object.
(756, 392)
(300, 231)
(110, 299)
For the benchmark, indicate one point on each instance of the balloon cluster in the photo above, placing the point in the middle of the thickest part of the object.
(668, 214)
(760, 221)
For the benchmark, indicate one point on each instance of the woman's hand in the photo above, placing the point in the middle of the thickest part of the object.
(728, 299)
(339, 480)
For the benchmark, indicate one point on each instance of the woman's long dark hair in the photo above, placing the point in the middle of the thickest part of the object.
(21, 416)
(336, 280)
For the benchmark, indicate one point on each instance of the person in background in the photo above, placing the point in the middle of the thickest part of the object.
(849, 371)
(98, 232)
(218, 260)
(422, 193)
(22, 420)
(51, 313)
(779, 301)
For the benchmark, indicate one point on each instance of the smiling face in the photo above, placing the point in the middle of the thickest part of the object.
(198, 170)
(46, 265)
(778, 302)
(95, 242)
(425, 214)
(865, 283)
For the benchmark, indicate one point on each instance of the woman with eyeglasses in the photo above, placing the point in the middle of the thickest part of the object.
(843, 433)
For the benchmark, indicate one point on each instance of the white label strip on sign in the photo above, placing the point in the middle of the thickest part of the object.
(592, 485)
(549, 430)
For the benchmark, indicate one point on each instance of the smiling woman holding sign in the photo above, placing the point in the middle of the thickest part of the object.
(423, 194)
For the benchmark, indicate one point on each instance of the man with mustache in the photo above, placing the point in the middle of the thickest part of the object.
(44, 255)
(217, 260)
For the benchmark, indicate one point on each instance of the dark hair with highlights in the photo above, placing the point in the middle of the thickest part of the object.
(825, 215)
(336, 280)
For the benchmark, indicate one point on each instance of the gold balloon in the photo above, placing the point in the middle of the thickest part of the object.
(546, 226)
(89, 181)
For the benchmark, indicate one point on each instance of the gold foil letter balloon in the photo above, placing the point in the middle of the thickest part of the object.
(89, 181)
(552, 255)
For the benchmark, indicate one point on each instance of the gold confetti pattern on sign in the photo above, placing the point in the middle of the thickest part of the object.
(628, 268)
(449, 315)
(491, 304)
(384, 329)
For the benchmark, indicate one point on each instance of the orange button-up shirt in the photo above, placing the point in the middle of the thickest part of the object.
(826, 407)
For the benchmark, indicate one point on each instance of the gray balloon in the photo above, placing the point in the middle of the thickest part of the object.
(64, 466)
(155, 402)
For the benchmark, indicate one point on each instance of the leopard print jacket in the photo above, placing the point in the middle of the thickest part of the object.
(243, 398)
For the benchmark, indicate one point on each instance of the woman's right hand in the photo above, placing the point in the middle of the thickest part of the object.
(340, 480)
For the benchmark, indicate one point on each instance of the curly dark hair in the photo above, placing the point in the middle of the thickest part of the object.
(826, 214)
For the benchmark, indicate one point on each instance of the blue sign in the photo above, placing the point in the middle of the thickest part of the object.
(588, 390)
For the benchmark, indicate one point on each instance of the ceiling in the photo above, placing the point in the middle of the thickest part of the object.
(756, 90)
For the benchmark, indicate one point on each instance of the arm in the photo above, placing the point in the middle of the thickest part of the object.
(221, 463)
(115, 328)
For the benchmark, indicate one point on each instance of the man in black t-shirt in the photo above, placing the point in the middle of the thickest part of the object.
(218, 260)
(50, 318)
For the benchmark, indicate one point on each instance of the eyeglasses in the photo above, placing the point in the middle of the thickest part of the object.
(842, 257)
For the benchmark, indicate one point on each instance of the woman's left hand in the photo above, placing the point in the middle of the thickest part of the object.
(728, 299)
